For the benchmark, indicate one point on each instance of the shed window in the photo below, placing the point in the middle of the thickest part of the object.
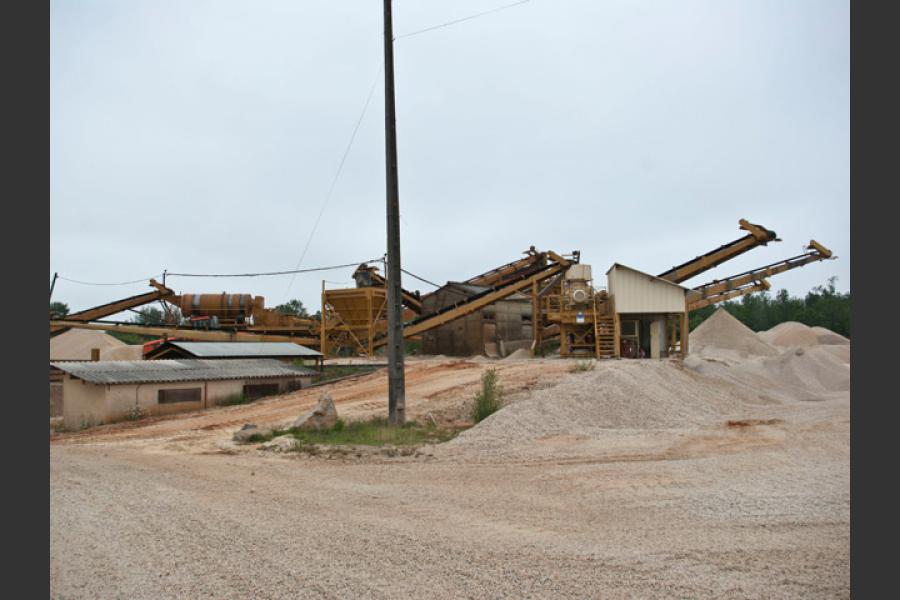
(259, 390)
(179, 395)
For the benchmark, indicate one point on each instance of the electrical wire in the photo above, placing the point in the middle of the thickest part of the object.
(144, 280)
(271, 273)
(455, 21)
(337, 174)
(419, 278)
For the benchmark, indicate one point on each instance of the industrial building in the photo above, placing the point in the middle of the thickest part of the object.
(496, 330)
(106, 391)
(648, 310)
(283, 351)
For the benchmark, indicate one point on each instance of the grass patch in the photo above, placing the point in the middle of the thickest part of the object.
(132, 339)
(375, 432)
(234, 400)
(582, 365)
(488, 400)
(337, 371)
(136, 413)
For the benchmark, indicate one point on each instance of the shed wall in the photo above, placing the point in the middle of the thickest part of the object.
(92, 404)
(635, 292)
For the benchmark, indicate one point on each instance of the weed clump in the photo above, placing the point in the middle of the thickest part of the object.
(136, 413)
(488, 399)
(234, 399)
(582, 365)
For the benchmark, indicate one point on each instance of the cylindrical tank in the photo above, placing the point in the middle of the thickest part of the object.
(224, 306)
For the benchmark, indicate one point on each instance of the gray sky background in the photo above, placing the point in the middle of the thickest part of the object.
(203, 136)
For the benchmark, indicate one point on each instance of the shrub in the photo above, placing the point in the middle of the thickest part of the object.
(136, 413)
(487, 401)
(582, 365)
(234, 399)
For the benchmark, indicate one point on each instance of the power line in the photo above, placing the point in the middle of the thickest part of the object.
(420, 278)
(270, 273)
(455, 21)
(337, 173)
(144, 280)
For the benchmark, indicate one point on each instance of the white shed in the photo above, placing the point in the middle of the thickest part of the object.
(634, 291)
(650, 313)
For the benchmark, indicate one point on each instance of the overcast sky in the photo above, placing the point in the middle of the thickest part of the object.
(203, 137)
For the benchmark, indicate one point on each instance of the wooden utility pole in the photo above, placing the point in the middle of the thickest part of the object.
(396, 378)
(53, 284)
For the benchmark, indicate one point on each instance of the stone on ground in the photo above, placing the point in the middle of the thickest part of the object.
(323, 416)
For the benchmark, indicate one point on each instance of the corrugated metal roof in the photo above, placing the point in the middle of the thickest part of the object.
(169, 371)
(244, 349)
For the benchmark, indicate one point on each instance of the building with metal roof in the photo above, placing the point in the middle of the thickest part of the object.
(106, 391)
(648, 311)
(284, 351)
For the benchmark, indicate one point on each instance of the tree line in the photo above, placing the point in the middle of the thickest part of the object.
(822, 306)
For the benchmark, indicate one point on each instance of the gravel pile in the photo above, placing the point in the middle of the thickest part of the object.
(616, 395)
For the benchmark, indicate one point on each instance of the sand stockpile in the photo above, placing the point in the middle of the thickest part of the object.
(722, 331)
(519, 354)
(812, 373)
(616, 395)
(76, 344)
(790, 334)
(131, 352)
(827, 336)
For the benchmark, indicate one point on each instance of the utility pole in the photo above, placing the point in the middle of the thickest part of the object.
(52, 284)
(396, 377)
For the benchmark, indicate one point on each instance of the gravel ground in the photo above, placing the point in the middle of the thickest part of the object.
(688, 507)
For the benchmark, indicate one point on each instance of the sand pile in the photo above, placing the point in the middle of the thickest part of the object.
(722, 331)
(790, 333)
(840, 351)
(617, 395)
(76, 344)
(519, 354)
(827, 336)
(130, 352)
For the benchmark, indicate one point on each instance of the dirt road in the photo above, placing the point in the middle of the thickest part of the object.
(761, 511)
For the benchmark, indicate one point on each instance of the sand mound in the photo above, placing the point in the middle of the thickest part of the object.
(813, 373)
(827, 336)
(616, 395)
(789, 334)
(132, 352)
(76, 344)
(722, 331)
(519, 354)
(840, 351)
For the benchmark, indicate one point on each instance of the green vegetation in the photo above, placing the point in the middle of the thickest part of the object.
(488, 400)
(58, 310)
(131, 338)
(293, 308)
(822, 306)
(582, 365)
(150, 315)
(374, 432)
(235, 399)
(136, 413)
(336, 371)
